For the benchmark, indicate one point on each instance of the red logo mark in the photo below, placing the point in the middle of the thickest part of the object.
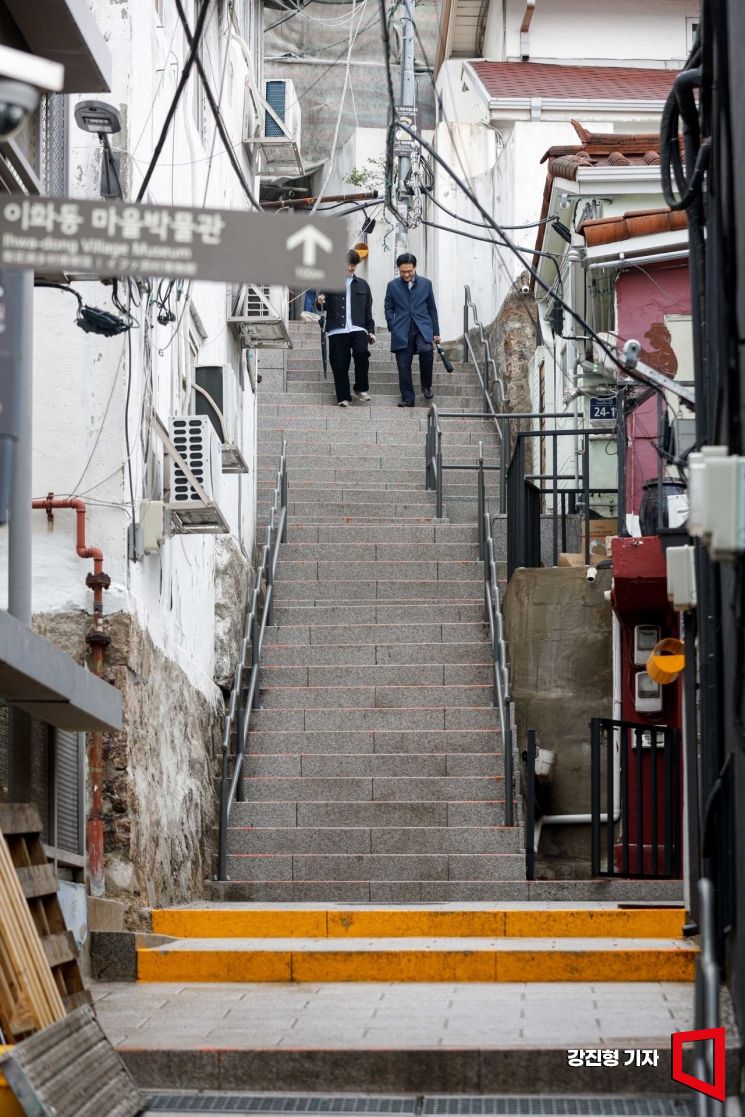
(717, 1088)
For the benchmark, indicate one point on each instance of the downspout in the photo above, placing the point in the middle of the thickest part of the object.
(97, 640)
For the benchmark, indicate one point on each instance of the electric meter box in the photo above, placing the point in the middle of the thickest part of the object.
(646, 638)
(647, 694)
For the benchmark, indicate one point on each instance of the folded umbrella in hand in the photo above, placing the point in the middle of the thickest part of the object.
(449, 367)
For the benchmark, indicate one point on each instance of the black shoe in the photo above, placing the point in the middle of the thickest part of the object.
(428, 393)
(404, 403)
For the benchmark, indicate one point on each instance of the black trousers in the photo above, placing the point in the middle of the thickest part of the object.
(342, 347)
(404, 358)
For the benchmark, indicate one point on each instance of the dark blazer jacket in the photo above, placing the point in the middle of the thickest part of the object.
(402, 306)
(336, 307)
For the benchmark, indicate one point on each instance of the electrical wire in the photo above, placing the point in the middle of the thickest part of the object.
(191, 59)
(214, 106)
(498, 229)
(352, 38)
(480, 224)
(126, 421)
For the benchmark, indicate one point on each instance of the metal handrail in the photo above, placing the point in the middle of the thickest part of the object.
(493, 614)
(490, 365)
(244, 698)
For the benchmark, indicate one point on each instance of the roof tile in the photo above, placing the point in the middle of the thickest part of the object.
(587, 83)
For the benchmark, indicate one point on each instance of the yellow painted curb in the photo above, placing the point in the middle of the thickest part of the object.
(214, 966)
(663, 964)
(224, 923)
(620, 923)
(218, 923)
(596, 965)
(404, 924)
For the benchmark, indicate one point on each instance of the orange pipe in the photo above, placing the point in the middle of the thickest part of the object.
(97, 640)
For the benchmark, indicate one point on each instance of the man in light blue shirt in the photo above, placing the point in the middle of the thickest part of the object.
(350, 328)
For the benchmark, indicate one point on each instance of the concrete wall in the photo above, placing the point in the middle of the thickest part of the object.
(177, 610)
(304, 49)
(559, 638)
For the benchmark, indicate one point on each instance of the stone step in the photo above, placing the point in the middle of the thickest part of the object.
(423, 960)
(405, 470)
(410, 476)
(369, 552)
(400, 421)
(409, 590)
(366, 571)
(390, 789)
(371, 635)
(363, 656)
(387, 533)
(375, 866)
(399, 674)
(412, 840)
(391, 443)
(397, 718)
(369, 813)
(322, 893)
(383, 402)
(451, 742)
(373, 697)
(307, 513)
(379, 621)
(458, 439)
(334, 493)
(340, 765)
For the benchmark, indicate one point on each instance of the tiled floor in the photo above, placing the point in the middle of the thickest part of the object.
(403, 1016)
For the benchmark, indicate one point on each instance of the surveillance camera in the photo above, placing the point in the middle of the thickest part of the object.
(17, 102)
(524, 288)
(23, 77)
(592, 573)
(98, 117)
(631, 352)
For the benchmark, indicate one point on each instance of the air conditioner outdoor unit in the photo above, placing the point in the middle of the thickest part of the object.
(257, 316)
(219, 396)
(197, 442)
(606, 366)
(279, 141)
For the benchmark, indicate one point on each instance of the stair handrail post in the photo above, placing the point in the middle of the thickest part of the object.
(467, 299)
(438, 464)
(255, 659)
(240, 736)
(530, 807)
(481, 499)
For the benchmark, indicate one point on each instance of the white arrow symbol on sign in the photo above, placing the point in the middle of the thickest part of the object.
(311, 239)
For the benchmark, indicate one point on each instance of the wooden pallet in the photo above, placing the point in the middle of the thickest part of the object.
(22, 981)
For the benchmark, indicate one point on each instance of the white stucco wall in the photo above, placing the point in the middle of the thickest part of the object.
(81, 380)
(632, 33)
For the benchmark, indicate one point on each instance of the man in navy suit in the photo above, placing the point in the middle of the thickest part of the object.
(411, 314)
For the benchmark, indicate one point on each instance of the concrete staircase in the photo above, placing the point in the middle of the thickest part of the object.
(374, 763)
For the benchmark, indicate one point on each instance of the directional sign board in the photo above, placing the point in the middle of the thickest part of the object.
(107, 238)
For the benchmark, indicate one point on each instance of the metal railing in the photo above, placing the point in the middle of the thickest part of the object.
(488, 375)
(525, 501)
(706, 1014)
(640, 766)
(493, 615)
(245, 693)
(530, 804)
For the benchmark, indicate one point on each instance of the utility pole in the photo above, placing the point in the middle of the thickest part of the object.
(17, 336)
(407, 101)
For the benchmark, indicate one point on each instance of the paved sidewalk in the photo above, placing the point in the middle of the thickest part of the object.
(393, 1015)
